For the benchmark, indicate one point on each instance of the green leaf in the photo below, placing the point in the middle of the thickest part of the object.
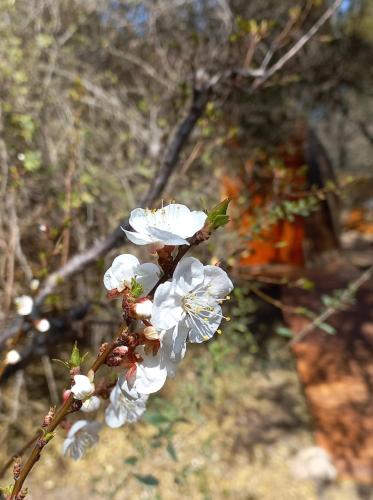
(171, 450)
(155, 418)
(217, 216)
(32, 160)
(327, 328)
(131, 460)
(136, 288)
(147, 479)
(64, 363)
(75, 358)
(284, 332)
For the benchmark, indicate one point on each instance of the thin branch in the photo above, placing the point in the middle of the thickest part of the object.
(330, 311)
(298, 45)
(80, 261)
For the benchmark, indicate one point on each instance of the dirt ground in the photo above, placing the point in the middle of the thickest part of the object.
(223, 428)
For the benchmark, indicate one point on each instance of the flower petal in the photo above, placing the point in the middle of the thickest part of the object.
(123, 408)
(166, 237)
(167, 310)
(150, 374)
(173, 347)
(128, 392)
(115, 416)
(181, 221)
(138, 238)
(139, 220)
(122, 269)
(76, 427)
(192, 223)
(217, 282)
(147, 275)
(173, 341)
(203, 328)
(187, 275)
(91, 404)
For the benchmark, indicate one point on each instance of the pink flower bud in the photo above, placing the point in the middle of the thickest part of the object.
(120, 350)
(66, 394)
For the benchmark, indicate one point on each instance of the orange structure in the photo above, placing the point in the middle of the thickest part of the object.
(262, 183)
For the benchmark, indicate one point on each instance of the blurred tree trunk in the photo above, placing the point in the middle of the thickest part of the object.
(337, 372)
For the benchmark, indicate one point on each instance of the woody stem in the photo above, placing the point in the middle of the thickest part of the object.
(60, 414)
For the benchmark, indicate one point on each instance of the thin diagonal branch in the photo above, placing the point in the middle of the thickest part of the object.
(298, 46)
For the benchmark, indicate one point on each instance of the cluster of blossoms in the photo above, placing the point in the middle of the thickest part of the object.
(165, 306)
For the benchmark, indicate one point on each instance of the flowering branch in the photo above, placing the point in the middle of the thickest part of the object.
(201, 96)
(164, 307)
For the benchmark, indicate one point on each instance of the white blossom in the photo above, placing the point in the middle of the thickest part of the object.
(83, 387)
(42, 325)
(12, 357)
(24, 305)
(190, 303)
(170, 225)
(82, 435)
(124, 268)
(91, 404)
(124, 408)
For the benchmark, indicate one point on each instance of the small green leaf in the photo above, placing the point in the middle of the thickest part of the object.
(64, 363)
(136, 288)
(131, 460)
(147, 479)
(284, 332)
(327, 328)
(75, 358)
(217, 216)
(48, 436)
(171, 450)
(156, 418)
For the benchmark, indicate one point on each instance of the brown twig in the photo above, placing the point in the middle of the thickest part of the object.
(274, 302)
(60, 415)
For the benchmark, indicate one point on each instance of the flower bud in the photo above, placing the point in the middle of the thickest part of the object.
(66, 394)
(151, 333)
(17, 468)
(143, 309)
(49, 417)
(115, 358)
